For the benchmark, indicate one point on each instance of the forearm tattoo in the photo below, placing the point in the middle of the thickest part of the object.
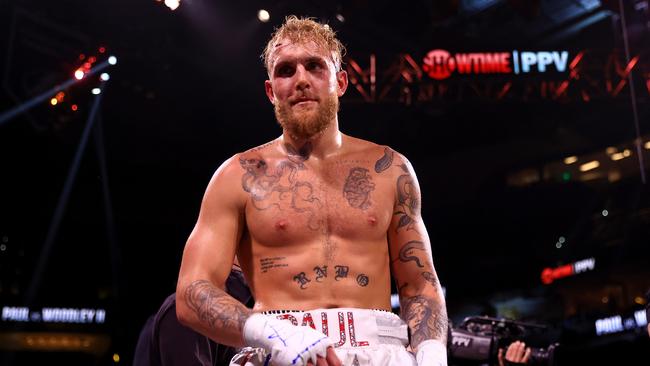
(408, 201)
(385, 161)
(431, 278)
(357, 188)
(426, 319)
(214, 307)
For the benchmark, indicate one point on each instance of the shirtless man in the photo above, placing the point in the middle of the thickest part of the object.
(318, 220)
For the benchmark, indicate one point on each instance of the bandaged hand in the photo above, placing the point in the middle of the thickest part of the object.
(431, 353)
(286, 343)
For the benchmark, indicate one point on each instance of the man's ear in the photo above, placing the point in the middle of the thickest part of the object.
(342, 81)
(268, 87)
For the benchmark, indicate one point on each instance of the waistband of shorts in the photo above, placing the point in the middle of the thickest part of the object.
(273, 312)
(391, 329)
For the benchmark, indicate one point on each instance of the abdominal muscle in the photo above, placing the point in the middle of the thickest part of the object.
(298, 277)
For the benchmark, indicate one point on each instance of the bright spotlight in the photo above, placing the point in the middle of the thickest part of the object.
(96, 91)
(112, 60)
(263, 16)
(173, 4)
(589, 166)
(79, 74)
(570, 160)
(104, 76)
(53, 101)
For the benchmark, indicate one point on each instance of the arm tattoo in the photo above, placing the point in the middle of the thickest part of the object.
(406, 253)
(408, 202)
(385, 161)
(215, 307)
(426, 318)
(431, 278)
(357, 188)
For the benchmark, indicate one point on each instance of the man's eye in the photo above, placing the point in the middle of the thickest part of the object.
(314, 65)
(285, 70)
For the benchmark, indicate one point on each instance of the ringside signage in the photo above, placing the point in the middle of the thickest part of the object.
(440, 64)
(52, 315)
(551, 274)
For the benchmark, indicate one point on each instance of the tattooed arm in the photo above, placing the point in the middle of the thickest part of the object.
(422, 304)
(202, 302)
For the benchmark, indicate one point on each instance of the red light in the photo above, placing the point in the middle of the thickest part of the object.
(102, 49)
(74, 107)
(82, 56)
(87, 65)
(92, 59)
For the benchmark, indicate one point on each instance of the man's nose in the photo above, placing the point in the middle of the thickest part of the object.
(302, 78)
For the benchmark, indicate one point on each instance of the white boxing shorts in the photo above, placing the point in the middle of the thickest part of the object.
(361, 337)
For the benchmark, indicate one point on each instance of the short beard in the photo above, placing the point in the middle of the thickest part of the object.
(307, 125)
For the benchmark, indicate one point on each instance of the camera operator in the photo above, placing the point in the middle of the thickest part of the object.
(483, 340)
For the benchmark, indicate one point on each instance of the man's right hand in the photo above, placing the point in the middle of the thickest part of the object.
(288, 344)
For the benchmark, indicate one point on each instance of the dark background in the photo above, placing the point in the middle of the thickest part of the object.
(187, 93)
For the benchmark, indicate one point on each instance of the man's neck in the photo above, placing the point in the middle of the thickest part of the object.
(317, 147)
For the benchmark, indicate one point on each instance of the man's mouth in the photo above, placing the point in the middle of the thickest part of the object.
(303, 101)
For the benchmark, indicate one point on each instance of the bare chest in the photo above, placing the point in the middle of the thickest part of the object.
(293, 202)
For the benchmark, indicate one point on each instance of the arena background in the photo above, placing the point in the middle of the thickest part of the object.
(505, 160)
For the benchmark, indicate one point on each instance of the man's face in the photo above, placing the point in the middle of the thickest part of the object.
(304, 88)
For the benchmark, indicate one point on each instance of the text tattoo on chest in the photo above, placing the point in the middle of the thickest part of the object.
(267, 264)
(320, 274)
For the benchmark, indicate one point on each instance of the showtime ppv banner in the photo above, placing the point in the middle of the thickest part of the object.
(440, 64)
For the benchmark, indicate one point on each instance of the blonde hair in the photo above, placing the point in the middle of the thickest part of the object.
(303, 30)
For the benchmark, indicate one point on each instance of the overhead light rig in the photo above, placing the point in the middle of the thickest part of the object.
(405, 79)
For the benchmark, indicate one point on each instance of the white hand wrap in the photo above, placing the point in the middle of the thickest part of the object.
(287, 343)
(431, 353)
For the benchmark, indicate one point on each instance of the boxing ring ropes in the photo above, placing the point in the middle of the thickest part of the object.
(59, 211)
